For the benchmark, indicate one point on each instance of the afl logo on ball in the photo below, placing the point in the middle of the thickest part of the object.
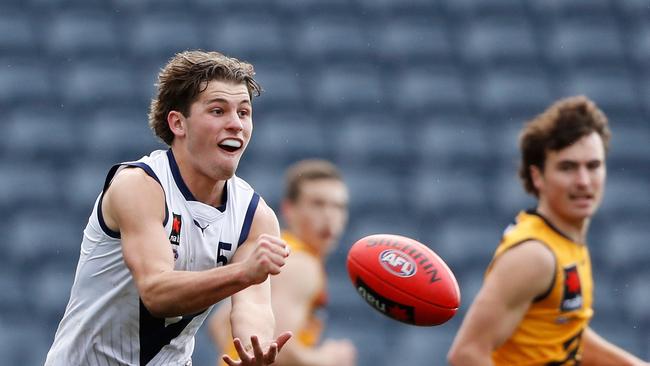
(397, 263)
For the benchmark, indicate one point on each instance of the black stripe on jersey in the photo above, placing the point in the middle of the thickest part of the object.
(154, 335)
(107, 182)
(248, 219)
(176, 173)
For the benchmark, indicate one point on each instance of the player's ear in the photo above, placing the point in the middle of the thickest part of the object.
(536, 176)
(176, 123)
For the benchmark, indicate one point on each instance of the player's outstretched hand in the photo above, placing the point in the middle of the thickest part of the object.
(261, 355)
(267, 258)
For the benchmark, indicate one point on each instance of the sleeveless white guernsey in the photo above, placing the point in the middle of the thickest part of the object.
(105, 322)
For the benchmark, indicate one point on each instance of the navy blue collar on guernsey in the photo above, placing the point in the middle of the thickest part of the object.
(534, 211)
(180, 183)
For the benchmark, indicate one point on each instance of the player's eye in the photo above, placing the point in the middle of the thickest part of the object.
(244, 113)
(217, 111)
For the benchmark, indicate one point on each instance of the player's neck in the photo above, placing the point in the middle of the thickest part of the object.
(574, 230)
(204, 188)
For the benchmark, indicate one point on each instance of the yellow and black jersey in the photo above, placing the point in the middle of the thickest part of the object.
(550, 332)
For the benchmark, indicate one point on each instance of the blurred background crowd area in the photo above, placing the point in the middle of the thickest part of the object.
(418, 101)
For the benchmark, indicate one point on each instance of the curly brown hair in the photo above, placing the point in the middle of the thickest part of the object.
(562, 124)
(185, 76)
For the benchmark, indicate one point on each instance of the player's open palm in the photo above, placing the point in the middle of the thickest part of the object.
(259, 355)
(342, 350)
(267, 258)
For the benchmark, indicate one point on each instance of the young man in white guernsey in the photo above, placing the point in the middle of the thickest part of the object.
(176, 232)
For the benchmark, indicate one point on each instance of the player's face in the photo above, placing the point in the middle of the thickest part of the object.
(572, 182)
(320, 213)
(219, 127)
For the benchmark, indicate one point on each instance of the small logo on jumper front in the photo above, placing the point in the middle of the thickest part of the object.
(397, 263)
(572, 296)
(175, 235)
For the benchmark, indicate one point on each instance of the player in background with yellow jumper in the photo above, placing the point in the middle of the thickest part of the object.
(315, 212)
(535, 304)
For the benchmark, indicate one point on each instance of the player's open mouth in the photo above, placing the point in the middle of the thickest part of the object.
(230, 145)
(581, 197)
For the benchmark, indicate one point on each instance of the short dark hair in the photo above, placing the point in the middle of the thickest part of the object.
(185, 76)
(306, 171)
(562, 124)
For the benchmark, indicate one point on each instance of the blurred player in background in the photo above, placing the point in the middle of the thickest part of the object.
(535, 304)
(154, 253)
(315, 210)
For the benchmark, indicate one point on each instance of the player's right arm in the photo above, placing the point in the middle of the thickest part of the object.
(517, 277)
(134, 205)
(293, 291)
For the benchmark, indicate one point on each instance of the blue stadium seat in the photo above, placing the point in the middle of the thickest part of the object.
(24, 339)
(265, 176)
(446, 139)
(505, 92)
(45, 236)
(326, 38)
(310, 8)
(466, 239)
(52, 282)
(629, 145)
(563, 9)
(373, 188)
(446, 191)
(416, 39)
(497, 40)
(632, 10)
(119, 133)
(506, 192)
(161, 35)
(261, 38)
(626, 243)
(24, 80)
(397, 8)
(639, 46)
(96, 82)
(80, 33)
(37, 131)
(141, 7)
(345, 86)
(282, 85)
(27, 184)
(62, 5)
(586, 41)
(627, 193)
(429, 89)
(87, 178)
(475, 9)
(285, 136)
(637, 297)
(412, 345)
(370, 138)
(18, 35)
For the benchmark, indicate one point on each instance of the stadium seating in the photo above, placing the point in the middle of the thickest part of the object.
(419, 102)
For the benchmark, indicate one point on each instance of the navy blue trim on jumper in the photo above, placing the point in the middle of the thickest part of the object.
(176, 173)
(533, 211)
(107, 182)
(248, 219)
(154, 334)
(180, 183)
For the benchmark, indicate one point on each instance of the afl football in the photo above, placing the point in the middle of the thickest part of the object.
(403, 279)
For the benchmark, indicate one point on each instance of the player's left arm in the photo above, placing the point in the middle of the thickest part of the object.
(597, 351)
(251, 316)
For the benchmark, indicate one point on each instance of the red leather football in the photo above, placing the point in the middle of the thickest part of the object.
(403, 279)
